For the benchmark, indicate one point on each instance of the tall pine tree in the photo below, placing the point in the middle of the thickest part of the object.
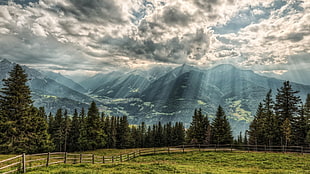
(95, 135)
(18, 116)
(221, 130)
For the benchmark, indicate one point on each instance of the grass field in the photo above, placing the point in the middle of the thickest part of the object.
(193, 162)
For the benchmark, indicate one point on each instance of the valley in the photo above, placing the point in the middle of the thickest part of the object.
(162, 94)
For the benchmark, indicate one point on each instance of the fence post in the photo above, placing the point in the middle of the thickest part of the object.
(112, 159)
(103, 160)
(121, 157)
(183, 148)
(65, 161)
(230, 147)
(81, 158)
(48, 159)
(93, 159)
(24, 163)
(302, 150)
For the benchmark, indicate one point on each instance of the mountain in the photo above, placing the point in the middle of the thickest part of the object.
(159, 94)
(64, 81)
(174, 95)
(46, 91)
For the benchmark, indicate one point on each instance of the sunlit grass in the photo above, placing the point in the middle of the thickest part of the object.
(195, 162)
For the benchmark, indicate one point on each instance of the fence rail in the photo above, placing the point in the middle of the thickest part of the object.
(21, 163)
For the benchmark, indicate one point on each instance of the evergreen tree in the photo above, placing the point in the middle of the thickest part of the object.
(123, 133)
(300, 129)
(51, 123)
(18, 115)
(287, 107)
(142, 132)
(66, 129)
(287, 131)
(287, 103)
(149, 137)
(158, 135)
(178, 134)
(198, 129)
(240, 139)
(83, 140)
(221, 130)
(307, 110)
(256, 126)
(95, 135)
(270, 124)
(74, 133)
(57, 133)
(168, 134)
(308, 138)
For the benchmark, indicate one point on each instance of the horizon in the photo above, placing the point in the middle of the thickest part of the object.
(86, 38)
(78, 79)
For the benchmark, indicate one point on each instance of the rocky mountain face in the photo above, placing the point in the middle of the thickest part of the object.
(46, 91)
(175, 94)
(158, 94)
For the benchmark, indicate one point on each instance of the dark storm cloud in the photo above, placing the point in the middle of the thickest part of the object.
(175, 50)
(92, 10)
(295, 37)
(25, 48)
(173, 16)
(207, 4)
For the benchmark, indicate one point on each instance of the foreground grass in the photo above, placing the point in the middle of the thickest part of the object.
(195, 162)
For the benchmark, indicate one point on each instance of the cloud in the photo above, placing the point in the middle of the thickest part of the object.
(89, 11)
(94, 35)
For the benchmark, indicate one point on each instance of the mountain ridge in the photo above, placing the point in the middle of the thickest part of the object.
(162, 94)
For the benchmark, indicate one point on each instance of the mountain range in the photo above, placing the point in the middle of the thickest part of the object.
(158, 94)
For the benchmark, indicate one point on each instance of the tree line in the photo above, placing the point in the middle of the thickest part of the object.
(285, 121)
(27, 129)
(92, 130)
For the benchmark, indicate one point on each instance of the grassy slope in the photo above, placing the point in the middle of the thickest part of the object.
(196, 162)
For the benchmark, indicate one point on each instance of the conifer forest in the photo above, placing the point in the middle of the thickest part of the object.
(27, 129)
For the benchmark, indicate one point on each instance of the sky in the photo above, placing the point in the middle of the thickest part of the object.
(85, 37)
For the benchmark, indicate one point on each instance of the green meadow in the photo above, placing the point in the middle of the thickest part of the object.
(192, 163)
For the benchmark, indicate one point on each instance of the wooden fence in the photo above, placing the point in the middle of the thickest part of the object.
(22, 163)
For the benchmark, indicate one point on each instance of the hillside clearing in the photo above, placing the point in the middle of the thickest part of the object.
(196, 162)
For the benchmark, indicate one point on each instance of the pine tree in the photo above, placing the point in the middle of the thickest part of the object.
(270, 124)
(198, 129)
(74, 133)
(95, 135)
(142, 132)
(149, 137)
(287, 103)
(123, 136)
(307, 112)
(83, 140)
(178, 134)
(21, 122)
(288, 107)
(221, 130)
(300, 128)
(256, 126)
(158, 135)
(57, 133)
(287, 131)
